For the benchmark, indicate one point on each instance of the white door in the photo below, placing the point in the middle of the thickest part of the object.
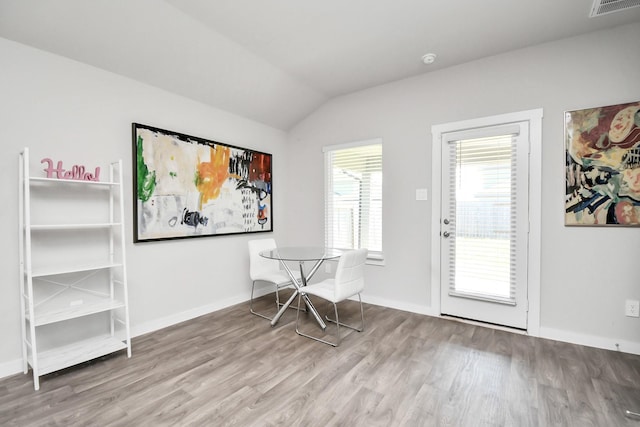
(484, 224)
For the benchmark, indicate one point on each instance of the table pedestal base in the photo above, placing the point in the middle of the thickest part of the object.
(300, 291)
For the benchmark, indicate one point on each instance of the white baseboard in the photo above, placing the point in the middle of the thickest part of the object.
(15, 366)
(590, 340)
(399, 305)
(10, 368)
(548, 333)
(164, 322)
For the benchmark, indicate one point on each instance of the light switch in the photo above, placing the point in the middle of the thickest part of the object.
(422, 194)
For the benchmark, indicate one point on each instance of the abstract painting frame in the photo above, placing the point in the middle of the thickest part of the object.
(602, 166)
(185, 186)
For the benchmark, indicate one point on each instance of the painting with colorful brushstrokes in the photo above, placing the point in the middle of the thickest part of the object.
(185, 186)
(603, 165)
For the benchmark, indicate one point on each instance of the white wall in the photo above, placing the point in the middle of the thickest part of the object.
(587, 273)
(69, 111)
(73, 112)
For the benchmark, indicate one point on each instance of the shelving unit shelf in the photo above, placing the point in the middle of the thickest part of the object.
(81, 351)
(64, 277)
(52, 271)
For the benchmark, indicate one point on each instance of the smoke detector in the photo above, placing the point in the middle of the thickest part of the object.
(604, 7)
(430, 58)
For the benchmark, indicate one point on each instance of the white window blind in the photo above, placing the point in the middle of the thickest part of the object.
(353, 199)
(483, 264)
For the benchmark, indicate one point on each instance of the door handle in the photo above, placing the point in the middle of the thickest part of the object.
(446, 234)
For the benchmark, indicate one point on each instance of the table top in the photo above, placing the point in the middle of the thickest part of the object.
(302, 253)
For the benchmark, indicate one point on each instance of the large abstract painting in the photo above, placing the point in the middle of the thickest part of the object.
(186, 186)
(603, 165)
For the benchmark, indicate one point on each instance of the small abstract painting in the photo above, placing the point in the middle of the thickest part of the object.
(603, 165)
(185, 186)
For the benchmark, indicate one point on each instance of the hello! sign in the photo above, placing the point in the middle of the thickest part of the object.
(76, 172)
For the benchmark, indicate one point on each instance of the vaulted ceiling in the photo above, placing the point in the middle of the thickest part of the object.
(276, 61)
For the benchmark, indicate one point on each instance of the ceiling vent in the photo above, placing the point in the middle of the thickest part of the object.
(604, 7)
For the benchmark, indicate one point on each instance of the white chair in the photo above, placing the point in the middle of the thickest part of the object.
(266, 270)
(348, 281)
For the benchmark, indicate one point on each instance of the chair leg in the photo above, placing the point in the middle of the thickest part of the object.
(335, 310)
(253, 286)
(349, 326)
(310, 336)
(336, 322)
(278, 303)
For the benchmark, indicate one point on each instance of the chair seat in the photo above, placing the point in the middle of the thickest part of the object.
(324, 289)
(278, 277)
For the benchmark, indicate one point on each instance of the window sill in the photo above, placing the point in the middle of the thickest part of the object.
(375, 261)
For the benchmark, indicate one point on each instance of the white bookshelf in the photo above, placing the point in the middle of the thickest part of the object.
(66, 277)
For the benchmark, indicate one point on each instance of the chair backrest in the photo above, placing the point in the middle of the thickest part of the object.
(349, 279)
(258, 264)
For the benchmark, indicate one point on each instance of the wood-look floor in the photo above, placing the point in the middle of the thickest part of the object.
(232, 368)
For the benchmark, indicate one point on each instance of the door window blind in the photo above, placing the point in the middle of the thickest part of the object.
(483, 208)
(353, 200)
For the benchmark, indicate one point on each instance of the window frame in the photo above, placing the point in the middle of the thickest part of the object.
(374, 257)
